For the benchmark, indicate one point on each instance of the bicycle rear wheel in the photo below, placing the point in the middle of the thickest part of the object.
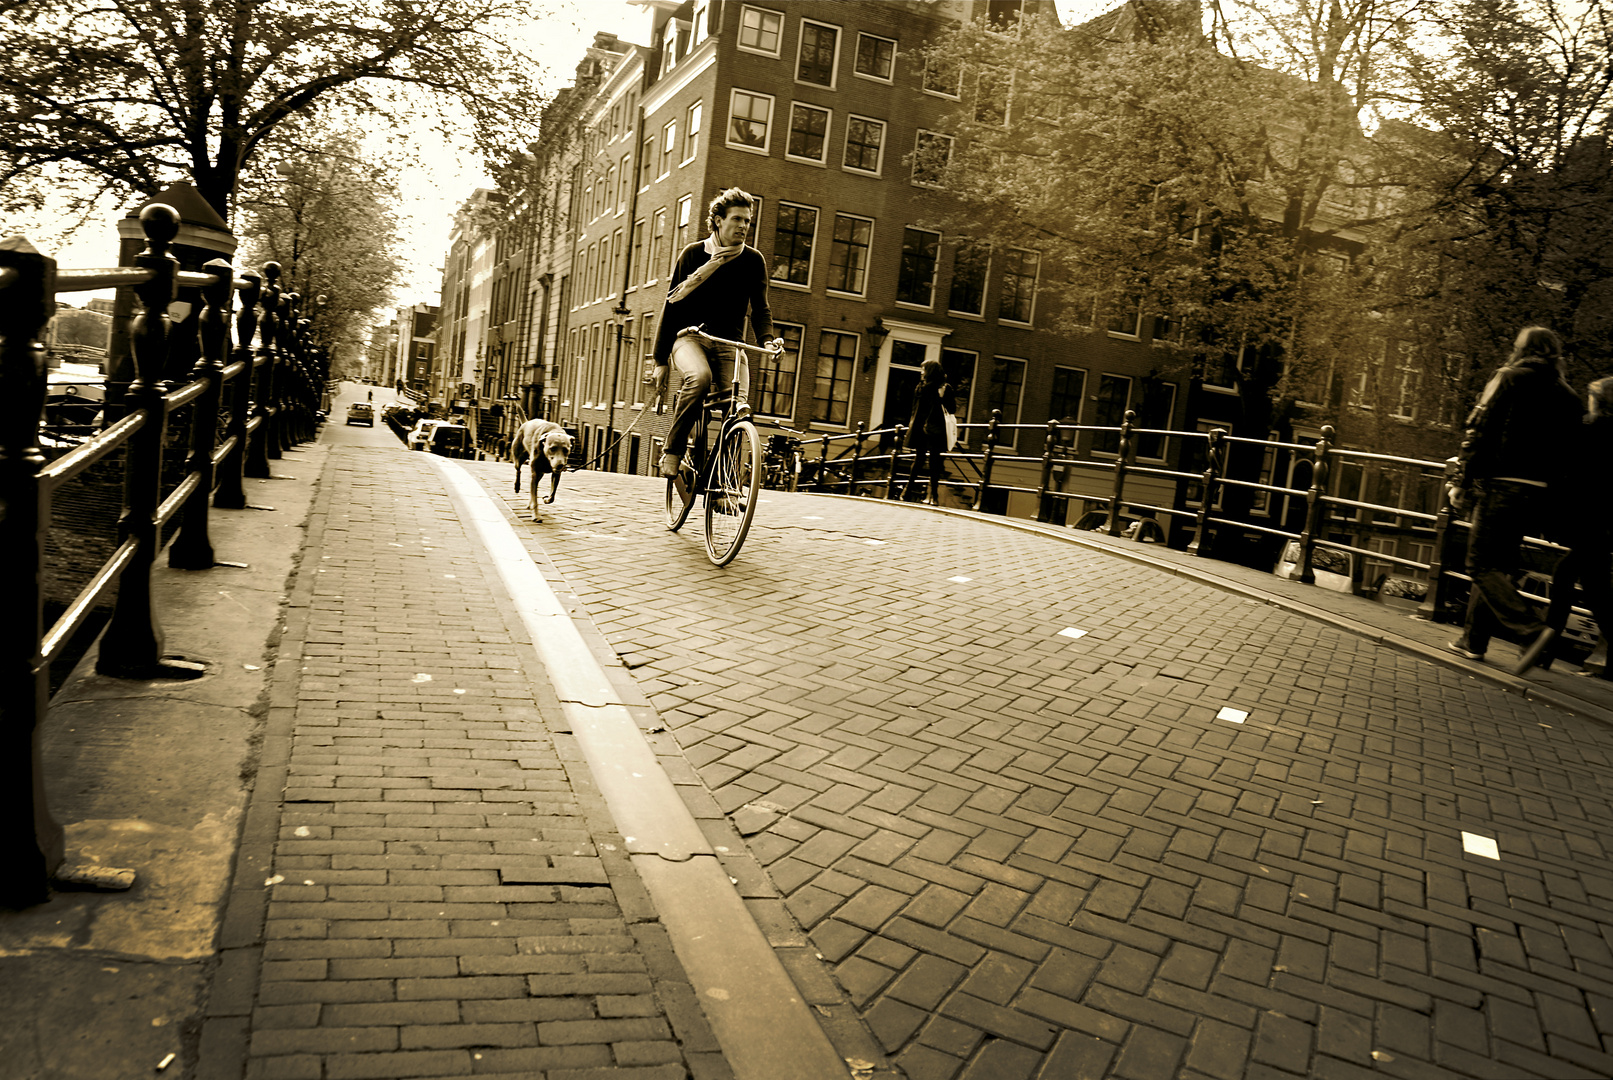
(736, 483)
(677, 510)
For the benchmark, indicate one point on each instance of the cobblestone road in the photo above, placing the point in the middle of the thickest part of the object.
(992, 775)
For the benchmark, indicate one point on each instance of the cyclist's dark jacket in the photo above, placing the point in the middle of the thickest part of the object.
(1521, 423)
(720, 302)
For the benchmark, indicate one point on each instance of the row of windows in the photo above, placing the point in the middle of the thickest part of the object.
(751, 124)
(795, 247)
(600, 371)
(817, 59)
(851, 239)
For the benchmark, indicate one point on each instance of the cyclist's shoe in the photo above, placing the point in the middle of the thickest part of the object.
(670, 465)
(742, 407)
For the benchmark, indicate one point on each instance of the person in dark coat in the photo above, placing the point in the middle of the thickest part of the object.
(715, 283)
(1586, 514)
(1517, 441)
(927, 430)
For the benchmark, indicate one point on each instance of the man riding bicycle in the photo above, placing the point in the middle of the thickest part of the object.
(714, 282)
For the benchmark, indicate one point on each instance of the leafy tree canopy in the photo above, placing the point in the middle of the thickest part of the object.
(124, 96)
(328, 217)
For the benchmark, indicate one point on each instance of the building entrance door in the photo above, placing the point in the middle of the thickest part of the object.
(902, 381)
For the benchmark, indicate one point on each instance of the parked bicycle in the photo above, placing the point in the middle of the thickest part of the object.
(781, 462)
(730, 479)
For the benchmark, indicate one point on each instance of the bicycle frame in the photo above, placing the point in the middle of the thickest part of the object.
(728, 479)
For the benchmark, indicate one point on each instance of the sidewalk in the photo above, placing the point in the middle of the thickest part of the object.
(446, 892)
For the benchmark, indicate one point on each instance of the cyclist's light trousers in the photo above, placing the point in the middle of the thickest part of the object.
(690, 361)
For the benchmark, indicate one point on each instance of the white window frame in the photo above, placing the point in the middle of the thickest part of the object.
(739, 33)
(1036, 285)
(795, 395)
(834, 68)
(955, 95)
(1164, 440)
(864, 75)
(935, 268)
(985, 284)
(918, 138)
(653, 242)
(669, 148)
(828, 129)
(1410, 378)
(767, 140)
(1012, 439)
(812, 259)
(1135, 333)
(884, 141)
(693, 117)
(682, 230)
(867, 266)
(1068, 438)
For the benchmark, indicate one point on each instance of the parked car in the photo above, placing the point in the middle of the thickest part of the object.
(361, 412)
(449, 440)
(420, 436)
(1132, 527)
(1335, 570)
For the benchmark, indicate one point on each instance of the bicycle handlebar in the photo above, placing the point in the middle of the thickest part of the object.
(700, 332)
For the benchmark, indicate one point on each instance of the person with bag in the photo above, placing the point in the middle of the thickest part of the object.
(933, 429)
(1516, 445)
(1585, 515)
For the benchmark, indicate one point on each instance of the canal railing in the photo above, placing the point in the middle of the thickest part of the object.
(185, 450)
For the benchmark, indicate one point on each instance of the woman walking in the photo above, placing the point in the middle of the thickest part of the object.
(927, 431)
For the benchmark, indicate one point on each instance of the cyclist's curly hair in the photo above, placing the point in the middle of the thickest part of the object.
(726, 201)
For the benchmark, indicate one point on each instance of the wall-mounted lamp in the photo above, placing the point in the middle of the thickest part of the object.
(877, 333)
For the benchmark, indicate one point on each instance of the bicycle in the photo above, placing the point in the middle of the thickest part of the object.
(781, 461)
(730, 479)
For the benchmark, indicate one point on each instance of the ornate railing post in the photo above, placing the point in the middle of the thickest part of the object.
(288, 382)
(274, 441)
(231, 495)
(263, 399)
(822, 482)
(1043, 510)
(988, 454)
(856, 457)
(1119, 494)
(192, 547)
(1313, 505)
(131, 645)
(30, 841)
(896, 458)
(1433, 606)
(1213, 471)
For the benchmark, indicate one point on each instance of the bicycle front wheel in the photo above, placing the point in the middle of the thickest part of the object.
(736, 483)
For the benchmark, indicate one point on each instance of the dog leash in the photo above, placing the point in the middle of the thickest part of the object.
(624, 434)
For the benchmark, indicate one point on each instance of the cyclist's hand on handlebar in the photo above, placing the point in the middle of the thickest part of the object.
(775, 346)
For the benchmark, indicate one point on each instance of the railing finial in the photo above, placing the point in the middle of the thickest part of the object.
(160, 222)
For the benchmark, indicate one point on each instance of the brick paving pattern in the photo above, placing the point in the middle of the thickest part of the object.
(1034, 854)
(448, 897)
